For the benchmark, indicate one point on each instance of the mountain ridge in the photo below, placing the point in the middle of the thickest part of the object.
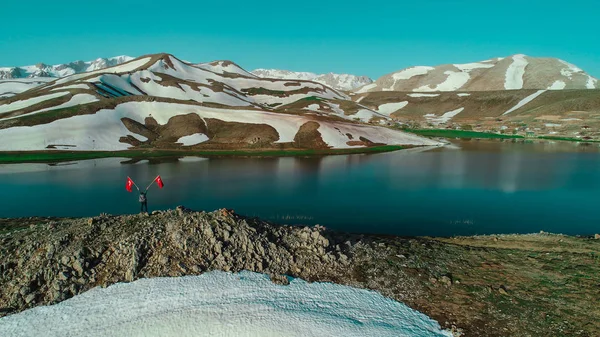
(346, 82)
(514, 72)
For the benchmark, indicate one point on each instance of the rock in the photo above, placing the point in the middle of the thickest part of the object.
(64, 260)
(29, 298)
(63, 276)
(502, 290)
(279, 279)
(446, 280)
(78, 267)
(597, 236)
(90, 221)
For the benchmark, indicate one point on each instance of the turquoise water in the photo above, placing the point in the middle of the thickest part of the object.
(481, 187)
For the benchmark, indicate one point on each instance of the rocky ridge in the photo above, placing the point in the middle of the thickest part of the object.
(467, 285)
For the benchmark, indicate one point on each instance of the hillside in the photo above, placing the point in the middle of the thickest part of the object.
(344, 82)
(515, 72)
(11, 87)
(159, 101)
(500, 285)
(572, 113)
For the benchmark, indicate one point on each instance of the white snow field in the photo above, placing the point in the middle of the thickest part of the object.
(557, 85)
(194, 139)
(101, 131)
(11, 87)
(388, 108)
(22, 104)
(515, 72)
(445, 117)
(223, 304)
(454, 81)
(591, 83)
(366, 88)
(525, 101)
(78, 99)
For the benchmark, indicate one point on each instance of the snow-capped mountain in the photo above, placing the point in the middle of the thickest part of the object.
(160, 101)
(337, 81)
(61, 70)
(510, 73)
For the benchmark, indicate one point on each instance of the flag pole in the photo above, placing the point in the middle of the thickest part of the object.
(136, 186)
(152, 183)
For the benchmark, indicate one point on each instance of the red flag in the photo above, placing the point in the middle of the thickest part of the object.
(159, 182)
(129, 184)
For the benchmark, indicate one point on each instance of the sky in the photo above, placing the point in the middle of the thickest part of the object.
(369, 38)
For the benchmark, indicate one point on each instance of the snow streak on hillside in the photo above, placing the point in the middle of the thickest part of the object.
(223, 304)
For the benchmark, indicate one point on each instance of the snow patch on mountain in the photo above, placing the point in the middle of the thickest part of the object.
(389, 108)
(454, 81)
(570, 69)
(591, 83)
(366, 88)
(22, 104)
(12, 87)
(78, 99)
(470, 66)
(194, 139)
(223, 304)
(411, 72)
(557, 85)
(515, 72)
(444, 118)
(525, 101)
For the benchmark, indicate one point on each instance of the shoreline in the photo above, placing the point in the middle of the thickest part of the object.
(492, 285)
(16, 157)
(464, 134)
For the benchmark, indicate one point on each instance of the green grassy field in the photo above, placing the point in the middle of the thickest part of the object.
(58, 156)
(487, 135)
(568, 139)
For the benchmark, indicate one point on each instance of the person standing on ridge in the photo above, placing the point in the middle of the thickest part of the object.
(144, 202)
(143, 199)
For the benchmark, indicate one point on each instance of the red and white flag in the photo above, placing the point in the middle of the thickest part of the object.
(159, 182)
(129, 184)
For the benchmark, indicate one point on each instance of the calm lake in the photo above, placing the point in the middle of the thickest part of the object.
(473, 187)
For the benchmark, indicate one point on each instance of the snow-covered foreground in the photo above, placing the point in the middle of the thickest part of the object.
(223, 304)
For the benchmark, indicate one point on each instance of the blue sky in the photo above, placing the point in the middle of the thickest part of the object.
(366, 38)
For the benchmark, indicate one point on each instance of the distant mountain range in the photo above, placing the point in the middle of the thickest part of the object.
(344, 82)
(159, 101)
(60, 70)
(505, 73)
